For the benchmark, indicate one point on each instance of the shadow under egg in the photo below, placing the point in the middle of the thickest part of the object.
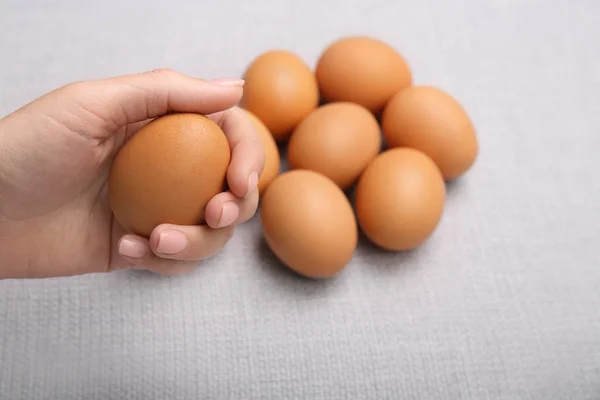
(387, 260)
(286, 276)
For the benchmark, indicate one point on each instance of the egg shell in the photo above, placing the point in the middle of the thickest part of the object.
(309, 223)
(272, 156)
(280, 90)
(362, 70)
(167, 173)
(432, 121)
(400, 199)
(338, 140)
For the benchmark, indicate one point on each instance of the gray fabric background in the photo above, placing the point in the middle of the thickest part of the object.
(502, 303)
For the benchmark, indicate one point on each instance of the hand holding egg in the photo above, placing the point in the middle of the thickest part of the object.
(188, 155)
(183, 181)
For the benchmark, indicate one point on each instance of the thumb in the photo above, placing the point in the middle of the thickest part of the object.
(134, 98)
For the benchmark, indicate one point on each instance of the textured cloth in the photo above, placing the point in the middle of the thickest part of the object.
(502, 303)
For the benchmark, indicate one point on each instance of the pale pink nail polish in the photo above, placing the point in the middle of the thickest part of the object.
(229, 214)
(171, 242)
(252, 183)
(228, 82)
(132, 248)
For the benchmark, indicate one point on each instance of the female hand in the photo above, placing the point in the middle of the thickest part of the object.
(56, 153)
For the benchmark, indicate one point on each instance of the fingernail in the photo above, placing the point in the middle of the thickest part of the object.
(228, 82)
(171, 242)
(229, 214)
(132, 248)
(252, 183)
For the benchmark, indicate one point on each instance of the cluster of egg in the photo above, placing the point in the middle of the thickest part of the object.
(331, 122)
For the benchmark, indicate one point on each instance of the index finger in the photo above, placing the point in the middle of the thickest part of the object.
(247, 151)
(134, 98)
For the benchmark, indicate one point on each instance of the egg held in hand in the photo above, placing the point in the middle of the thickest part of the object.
(168, 172)
(309, 224)
(400, 199)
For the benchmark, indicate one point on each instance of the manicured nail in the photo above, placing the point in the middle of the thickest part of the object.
(132, 248)
(228, 82)
(252, 183)
(229, 214)
(171, 242)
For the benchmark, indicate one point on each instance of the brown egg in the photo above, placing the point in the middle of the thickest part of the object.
(400, 199)
(272, 160)
(309, 224)
(337, 140)
(280, 90)
(432, 121)
(362, 70)
(167, 172)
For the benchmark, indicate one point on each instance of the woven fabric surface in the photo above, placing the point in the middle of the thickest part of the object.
(503, 302)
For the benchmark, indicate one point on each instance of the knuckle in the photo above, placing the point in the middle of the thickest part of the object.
(164, 72)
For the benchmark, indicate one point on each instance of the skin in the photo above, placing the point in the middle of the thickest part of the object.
(55, 219)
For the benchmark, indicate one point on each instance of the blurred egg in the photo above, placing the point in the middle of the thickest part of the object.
(400, 199)
(362, 70)
(432, 121)
(309, 223)
(272, 157)
(338, 140)
(280, 90)
(167, 173)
